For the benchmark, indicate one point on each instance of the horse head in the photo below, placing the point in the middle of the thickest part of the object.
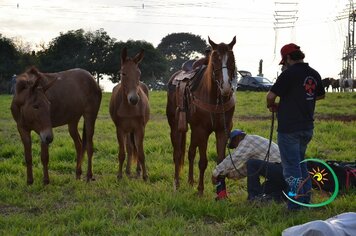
(130, 75)
(31, 105)
(222, 64)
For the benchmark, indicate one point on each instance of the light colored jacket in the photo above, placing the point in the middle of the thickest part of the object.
(251, 147)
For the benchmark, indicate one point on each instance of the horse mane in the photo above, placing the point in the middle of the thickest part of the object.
(206, 83)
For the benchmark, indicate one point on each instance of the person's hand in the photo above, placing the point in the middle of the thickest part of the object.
(273, 108)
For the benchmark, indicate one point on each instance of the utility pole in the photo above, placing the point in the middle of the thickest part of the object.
(260, 68)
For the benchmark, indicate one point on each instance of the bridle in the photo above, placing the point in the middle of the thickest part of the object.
(219, 82)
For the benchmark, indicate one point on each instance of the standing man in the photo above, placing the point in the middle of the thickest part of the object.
(298, 87)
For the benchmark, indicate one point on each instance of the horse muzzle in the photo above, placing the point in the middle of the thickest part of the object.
(226, 91)
(46, 136)
(133, 99)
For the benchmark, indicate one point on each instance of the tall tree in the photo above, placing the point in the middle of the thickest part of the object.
(180, 47)
(153, 66)
(69, 50)
(99, 48)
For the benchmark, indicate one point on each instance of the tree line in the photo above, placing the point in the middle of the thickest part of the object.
(99, 53)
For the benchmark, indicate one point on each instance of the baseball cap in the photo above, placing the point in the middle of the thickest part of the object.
(236, 132)
(288, 49)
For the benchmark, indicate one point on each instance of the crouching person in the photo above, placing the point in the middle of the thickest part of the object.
(234, 166)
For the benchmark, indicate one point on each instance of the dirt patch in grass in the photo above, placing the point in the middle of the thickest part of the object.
(343, 118)
(8, 210)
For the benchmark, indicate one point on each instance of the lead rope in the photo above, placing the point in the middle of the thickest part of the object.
(266, 159)
(227, 136)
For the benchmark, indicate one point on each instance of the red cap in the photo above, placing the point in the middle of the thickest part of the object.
(288, 49)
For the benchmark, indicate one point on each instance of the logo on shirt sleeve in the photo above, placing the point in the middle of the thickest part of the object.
(309, 87)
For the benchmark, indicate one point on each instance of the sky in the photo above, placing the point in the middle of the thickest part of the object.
(316, 27)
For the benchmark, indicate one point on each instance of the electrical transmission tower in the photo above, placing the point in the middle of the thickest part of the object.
(285, 17)
(349, 51)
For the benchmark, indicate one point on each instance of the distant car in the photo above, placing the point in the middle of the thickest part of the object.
(254, 83)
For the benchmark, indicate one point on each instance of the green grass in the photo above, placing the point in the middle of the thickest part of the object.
(134, 207)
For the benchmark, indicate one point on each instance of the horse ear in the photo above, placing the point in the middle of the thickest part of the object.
(123, 55)
(138, 58)
(212, 44)
(36, 84)
(34, 71)
(231, 45)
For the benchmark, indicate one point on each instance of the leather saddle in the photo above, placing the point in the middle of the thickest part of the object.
(184, 83)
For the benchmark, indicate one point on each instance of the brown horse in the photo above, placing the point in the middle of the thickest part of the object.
(46, 100)
(130, 111)
(209, 108)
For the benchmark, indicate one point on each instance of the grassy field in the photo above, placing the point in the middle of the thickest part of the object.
(134, 207)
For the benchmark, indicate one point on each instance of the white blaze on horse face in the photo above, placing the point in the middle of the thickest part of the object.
(225, 87)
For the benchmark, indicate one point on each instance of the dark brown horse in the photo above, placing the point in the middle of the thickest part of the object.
(209, 108)
(130, 111)
(46, 100)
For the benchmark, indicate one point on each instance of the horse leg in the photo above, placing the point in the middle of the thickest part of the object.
(178, 140)
(139, 150)
(121, 156)
(89, 124)
(191, 156)
(130, 153)
(44, 160)
(73, 131)
(221, 140)
(26, 141)
(135, 155)
(203, 163)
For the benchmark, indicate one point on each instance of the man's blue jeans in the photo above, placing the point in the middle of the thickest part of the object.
(292, 147)
(274, 183)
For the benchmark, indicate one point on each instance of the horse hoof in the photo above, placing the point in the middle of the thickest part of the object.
(46, 181)
(30, 182)
(90, 178)
(119, 176)
(145, 178)
(175, 186)
(78, 173)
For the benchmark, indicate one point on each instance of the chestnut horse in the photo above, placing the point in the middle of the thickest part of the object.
(46, 100)
(210, 109)
(130, 111)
